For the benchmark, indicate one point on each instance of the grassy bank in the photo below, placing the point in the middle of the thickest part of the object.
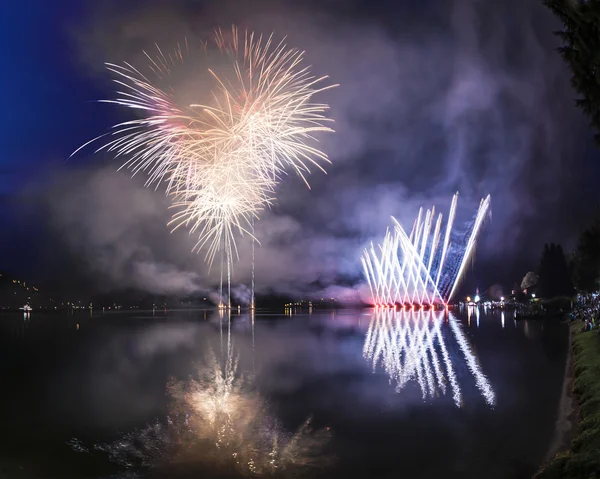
(582, 461)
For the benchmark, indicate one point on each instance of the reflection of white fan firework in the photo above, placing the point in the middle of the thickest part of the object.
(410, 345)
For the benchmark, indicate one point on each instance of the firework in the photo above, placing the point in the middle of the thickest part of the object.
(220, 157)
(410, 346)
(421, 268)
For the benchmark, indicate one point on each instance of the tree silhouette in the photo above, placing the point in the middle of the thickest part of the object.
(586, 261)
(554, 278)
(581, 51)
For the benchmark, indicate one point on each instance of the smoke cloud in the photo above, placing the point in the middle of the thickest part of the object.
(472, 98)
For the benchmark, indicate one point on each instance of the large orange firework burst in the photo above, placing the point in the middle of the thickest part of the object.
(220, 157)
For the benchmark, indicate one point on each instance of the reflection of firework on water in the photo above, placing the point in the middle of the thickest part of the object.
(142, 448)
(410, 345)
(223, 409)
(422, 268)
(221, 158)
(218, 420)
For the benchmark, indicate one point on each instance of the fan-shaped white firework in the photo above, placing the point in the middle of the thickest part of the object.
(422, 268)
(221, 155)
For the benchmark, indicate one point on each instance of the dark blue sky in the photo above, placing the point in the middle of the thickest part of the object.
(508, 127)
(44, 92)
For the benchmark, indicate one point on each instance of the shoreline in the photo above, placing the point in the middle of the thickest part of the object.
(576, 440)
(565, 428)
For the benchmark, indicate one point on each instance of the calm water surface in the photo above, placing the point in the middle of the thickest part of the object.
(331, 394)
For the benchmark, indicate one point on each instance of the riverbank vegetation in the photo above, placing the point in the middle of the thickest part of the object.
(579, 49)
(582, 461)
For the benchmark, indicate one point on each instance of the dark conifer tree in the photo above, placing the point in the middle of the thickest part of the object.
(581, 52)
(554, 273)
(586, 260)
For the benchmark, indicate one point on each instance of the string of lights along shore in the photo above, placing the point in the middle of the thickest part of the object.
(424, 268)
(219, 123)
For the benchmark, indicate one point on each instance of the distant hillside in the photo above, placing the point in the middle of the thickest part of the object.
(15, 292)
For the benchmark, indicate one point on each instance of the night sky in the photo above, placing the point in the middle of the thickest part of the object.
(468, 96)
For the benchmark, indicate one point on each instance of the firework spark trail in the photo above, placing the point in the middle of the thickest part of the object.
(484, 207)
(446, 243)
(412, 269)
(221, 160)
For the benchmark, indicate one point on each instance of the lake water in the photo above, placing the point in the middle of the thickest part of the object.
(330, 394)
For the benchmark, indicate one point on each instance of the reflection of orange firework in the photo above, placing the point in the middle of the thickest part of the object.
(225, 415)
(218, 420)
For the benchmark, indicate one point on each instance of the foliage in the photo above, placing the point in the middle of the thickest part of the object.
(554, 277)
(586, 260)
(558, 302)
(581, 52)
(583, 460)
